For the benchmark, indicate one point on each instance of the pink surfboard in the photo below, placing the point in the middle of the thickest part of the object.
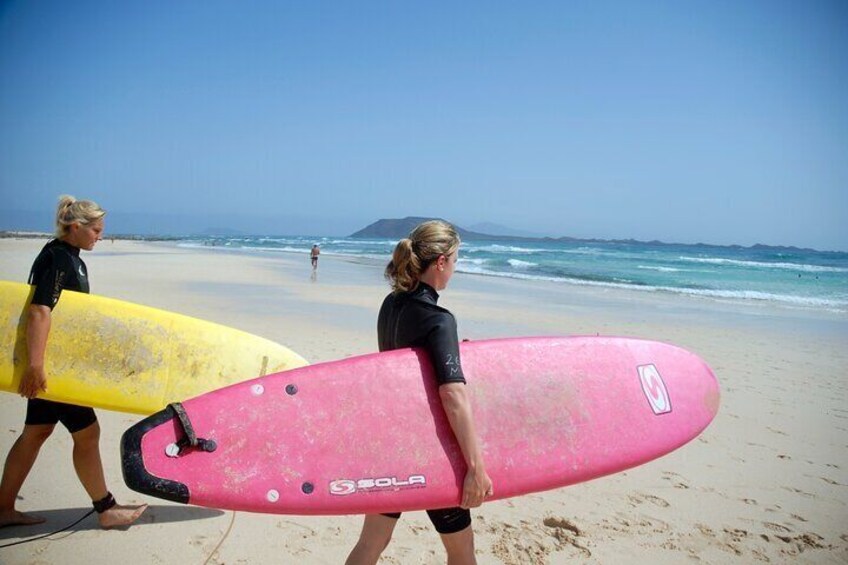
(368, 434)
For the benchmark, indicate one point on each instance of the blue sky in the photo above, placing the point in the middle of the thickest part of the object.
(713, 121)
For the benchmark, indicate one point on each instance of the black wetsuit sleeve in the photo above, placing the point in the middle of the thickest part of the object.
(442, 344)
(48, 275)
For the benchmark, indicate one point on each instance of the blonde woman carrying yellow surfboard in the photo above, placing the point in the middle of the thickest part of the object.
(79, 225)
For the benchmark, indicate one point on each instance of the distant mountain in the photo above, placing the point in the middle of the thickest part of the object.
(498, 229)
(400, 228)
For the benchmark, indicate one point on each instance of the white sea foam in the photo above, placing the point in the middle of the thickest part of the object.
(518, 264)
(471, 261)
(361, 242)
(765, 265)
(661, 269)
(495, 248)
(284, 249)
(837, 305)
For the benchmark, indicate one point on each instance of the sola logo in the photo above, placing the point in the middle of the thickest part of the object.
(654, 389)
(342, 487)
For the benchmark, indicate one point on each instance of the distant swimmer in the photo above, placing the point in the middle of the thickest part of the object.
(58, 268)
(316, 251)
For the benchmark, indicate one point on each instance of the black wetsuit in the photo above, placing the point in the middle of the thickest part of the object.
(414, 319)
(58, 267)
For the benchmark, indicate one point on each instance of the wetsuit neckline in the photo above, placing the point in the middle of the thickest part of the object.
(71, 249)
(425, 290)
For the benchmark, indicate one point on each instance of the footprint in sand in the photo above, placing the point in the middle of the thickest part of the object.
(705, 530)
(799, 491)
(198, 541)
(639, 498)
(565, 532)
(289, 525)
(801, 543)
(518, 545)
(416, 529)
(778, 528)
(678, 480)
(799, 518)
(736, 534)
(528, 543)
(561, 523)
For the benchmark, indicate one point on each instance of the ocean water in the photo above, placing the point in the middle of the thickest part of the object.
(784, 276)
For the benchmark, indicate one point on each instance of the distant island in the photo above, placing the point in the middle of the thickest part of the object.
(400, 228)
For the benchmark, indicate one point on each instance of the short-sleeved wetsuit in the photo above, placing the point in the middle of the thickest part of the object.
(414, 319)
(58, 267)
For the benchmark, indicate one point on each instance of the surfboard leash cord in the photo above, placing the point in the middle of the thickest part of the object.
(86, 515)
(223, 539)
(190, 439)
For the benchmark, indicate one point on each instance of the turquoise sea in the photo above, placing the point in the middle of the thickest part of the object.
(786, 276)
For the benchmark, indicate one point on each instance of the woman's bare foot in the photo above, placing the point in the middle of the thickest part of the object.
(15, 518)
(118, 516)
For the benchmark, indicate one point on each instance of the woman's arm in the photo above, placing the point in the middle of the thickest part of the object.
(457, 406)
(37, 330)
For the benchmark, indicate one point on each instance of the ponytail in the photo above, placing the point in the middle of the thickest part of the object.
(414, 254)
(404, 268)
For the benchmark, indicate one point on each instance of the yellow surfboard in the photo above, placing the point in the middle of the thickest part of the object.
(121, 356)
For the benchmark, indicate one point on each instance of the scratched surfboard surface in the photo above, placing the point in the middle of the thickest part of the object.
(369, 434)
(121, 356)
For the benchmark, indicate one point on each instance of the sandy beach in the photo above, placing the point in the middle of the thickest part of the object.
(767, 482)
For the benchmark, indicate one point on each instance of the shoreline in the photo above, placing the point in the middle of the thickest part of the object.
(754, 306)
(476, 237)
(837, 307)
(766, 481)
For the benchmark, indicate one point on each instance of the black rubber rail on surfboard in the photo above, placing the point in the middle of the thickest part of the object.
(132, 463)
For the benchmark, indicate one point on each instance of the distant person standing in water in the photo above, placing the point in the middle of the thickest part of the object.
(422, 265)
(79, 225)
(313, 255)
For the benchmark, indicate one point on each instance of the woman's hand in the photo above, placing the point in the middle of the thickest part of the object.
(457, 404)
(477, 487)
(38, 328)
(33, 382)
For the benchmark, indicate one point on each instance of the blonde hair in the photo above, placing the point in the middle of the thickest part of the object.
(73, 211)
(415, 253)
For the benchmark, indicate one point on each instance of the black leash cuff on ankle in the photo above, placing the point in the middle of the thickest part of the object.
(104, 503)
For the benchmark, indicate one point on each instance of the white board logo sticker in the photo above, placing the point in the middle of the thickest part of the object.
(654, 389)
(344, 487)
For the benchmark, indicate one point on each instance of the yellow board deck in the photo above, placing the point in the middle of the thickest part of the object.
(117, 355)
